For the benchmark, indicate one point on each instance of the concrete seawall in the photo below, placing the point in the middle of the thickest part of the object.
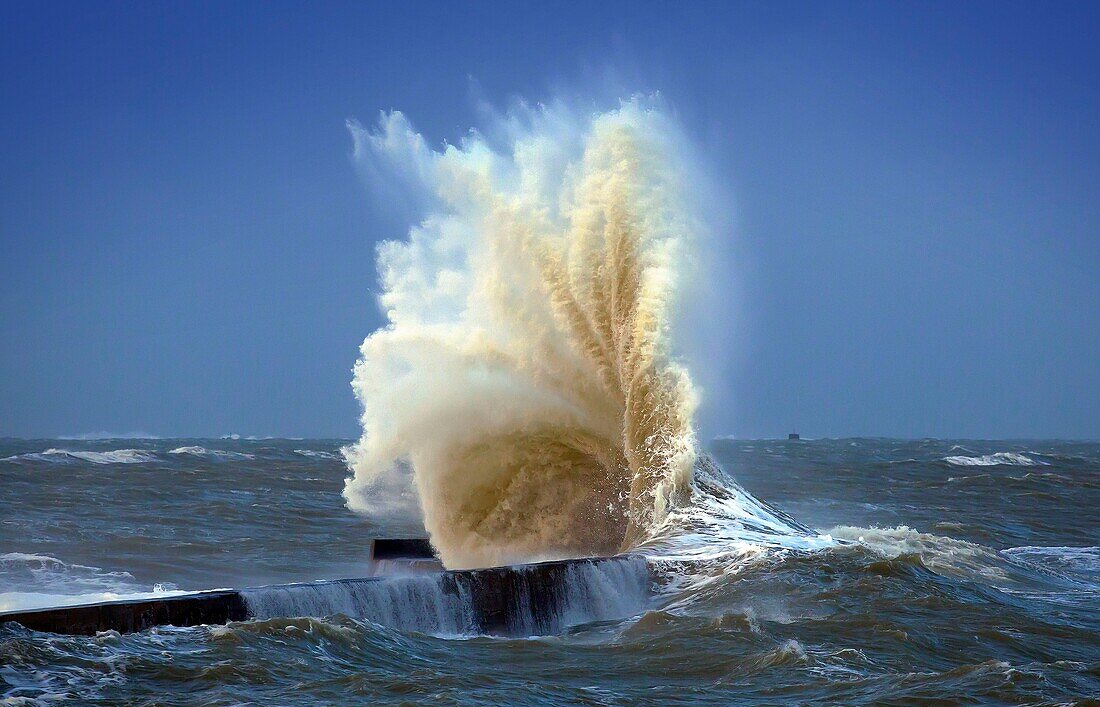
(518, 600)
(127, 616)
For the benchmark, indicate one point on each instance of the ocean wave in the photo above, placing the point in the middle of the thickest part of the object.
(1065, 458)
(338, 628)
(34, 562)
(937, 552)
(997, 459)
(34, 581)
(1031, 479)
(315, 454)
(215, 453)
(1077, 560)
(1041, 476)
(100, 436)
(67, 456)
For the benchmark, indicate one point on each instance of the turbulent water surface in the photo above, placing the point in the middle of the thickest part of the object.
(958, 570)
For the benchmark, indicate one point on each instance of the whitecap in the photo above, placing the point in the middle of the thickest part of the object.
(32, 580)
(997, 459)
(216, 453)
(940, 553)
(315, 454)
(66, 456)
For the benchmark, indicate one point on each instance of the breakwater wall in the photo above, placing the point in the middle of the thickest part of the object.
(519, 600)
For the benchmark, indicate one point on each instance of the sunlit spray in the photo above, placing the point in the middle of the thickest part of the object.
(525, 396)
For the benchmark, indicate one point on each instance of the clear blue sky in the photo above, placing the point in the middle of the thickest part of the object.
(187, 248)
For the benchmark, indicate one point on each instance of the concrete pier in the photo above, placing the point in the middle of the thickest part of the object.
(518, 600)
(129, 616)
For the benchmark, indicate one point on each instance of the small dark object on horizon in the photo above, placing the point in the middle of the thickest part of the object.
(793, 435)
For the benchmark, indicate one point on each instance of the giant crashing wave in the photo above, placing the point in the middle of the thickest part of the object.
(525, 399)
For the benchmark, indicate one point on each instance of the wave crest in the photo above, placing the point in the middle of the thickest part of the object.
(65, 456)
(195, 451)
(997, 459)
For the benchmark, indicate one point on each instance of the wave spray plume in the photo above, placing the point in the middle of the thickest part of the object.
(526, 378)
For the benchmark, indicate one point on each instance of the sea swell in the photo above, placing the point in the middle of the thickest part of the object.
(197, 451)
(68, 456)
(997, 459)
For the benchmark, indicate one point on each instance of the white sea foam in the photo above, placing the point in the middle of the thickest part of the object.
(27, 601)
(940, 553)
(316, 454)
(997, 459)
(68, 456)
(214, 453)
(44, 569)
(34, 581)
(723, 523)
(1084, 561)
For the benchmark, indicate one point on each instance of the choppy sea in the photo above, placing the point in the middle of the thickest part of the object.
(960, 571)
